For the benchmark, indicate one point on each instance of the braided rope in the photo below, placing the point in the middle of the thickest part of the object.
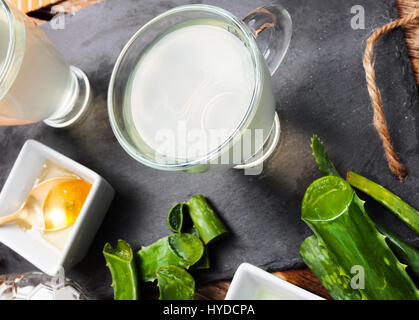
(380, 124)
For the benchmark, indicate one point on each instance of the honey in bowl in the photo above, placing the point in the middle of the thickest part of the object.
(53, 205)
(62, 204)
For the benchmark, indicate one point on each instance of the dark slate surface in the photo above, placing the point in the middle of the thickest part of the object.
(320, 88)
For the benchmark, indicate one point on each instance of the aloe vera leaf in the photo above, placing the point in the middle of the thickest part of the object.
(337, 216)
(121, 264)
(327, 270)
(205, 219)
(194, 231)
(151, 258)
(322, 159)
(175, 284)
(186, 246)
(180, 249)
(403, 251)
(175, 220)
(175, 217)
(388, 199)
(317, 257)
(204, 262)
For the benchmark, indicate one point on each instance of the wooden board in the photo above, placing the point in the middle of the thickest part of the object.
(31, 5)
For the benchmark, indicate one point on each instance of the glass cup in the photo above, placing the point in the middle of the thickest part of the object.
(266, 34)
(35, 81)
(39, 286)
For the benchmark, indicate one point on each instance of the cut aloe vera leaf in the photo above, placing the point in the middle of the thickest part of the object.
(175, 284)
(175, 217)
(205, 219)
(194, 231)
(388, 199)
(337, 216)
(186, 246)
(204, 262)
(403, 251)
(406, 253)
(121, 264)
(180, 249)
(322, 159)
(327, 270)
(151, 258)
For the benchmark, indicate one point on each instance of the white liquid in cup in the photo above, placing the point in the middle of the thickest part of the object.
(42, 82)
(196, 81)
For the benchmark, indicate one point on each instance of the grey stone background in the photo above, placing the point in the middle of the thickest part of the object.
(320, 88)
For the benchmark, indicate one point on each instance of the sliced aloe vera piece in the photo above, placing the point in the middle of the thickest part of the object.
(180, 249)
(175, 217)
(204, 262)
(337, 216)
(121, 264)
(327, 270)
(194, 231)
(175, 220)
(186, 246)
(205, 219)
(401, 209)
(175, 284)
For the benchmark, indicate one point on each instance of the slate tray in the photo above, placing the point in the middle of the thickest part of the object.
(320, 88)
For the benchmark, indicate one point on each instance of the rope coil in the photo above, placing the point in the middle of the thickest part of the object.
(395, 164)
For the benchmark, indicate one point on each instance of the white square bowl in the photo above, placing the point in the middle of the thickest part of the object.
(30, 244)
(252, 283)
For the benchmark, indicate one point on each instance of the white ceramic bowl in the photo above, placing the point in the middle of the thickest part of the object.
(252, 283)
(30, 244)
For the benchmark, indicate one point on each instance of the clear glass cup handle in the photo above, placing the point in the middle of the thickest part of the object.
(272, 27)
